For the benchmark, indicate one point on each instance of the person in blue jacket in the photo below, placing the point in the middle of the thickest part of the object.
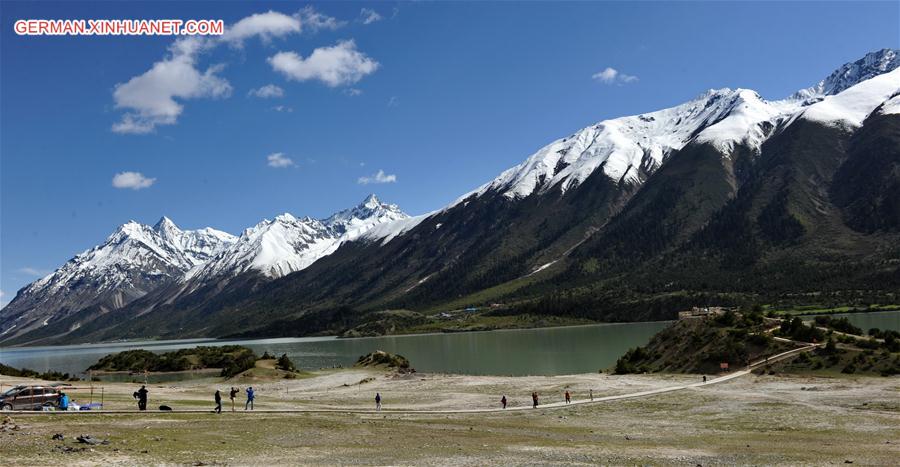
(250, 397)
(63, 401)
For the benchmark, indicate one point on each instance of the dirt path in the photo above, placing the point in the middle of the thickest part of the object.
(349, 377)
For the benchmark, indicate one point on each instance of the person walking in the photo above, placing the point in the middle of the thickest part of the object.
(592, 395)
(503, 401)
(141, 396)
(218, 399)
(704, 378)
(250, 396)
(233, 394)
(378, 402)
(534, 400)
(568, 397)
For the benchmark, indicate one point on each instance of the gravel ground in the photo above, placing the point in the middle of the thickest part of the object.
(751, 420)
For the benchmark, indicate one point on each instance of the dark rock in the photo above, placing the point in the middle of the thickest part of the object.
(88, 439)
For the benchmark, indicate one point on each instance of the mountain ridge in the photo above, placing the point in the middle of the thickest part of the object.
(598, 223)
(138, 259)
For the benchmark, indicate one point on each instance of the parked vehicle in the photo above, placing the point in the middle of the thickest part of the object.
(29, 398)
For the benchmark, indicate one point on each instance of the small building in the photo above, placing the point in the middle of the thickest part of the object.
(701, 312)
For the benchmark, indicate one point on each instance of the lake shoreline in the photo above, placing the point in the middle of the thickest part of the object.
(549, 351)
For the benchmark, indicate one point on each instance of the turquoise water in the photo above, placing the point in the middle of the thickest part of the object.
(546, 351)
(880, 319)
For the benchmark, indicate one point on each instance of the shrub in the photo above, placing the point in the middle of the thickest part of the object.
(830, 346)
(729, 318)
(232, 359)
(838, 324)
(285, 363)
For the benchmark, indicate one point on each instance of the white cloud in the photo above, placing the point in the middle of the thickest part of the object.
(279, 161)
(283, 108)
(155, 97)
(150, 97)
(132, 180)
(369, 16)
(353, 92)
(378, 177)
(611, 76)
(265, 25)
(267, 92)
(336, 65)
(394, 101)
(315, 21)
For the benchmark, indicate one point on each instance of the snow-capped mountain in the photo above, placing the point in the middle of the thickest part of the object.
(138, 259)
(690, 198)
(628, 149)
(287, 244)
(134, 260)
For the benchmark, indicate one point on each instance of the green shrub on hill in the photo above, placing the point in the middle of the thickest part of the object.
(26, 373)
(796, 329)
(838, 324)
(232, 359)
(701, 345)
(382, 358)
(285, 363)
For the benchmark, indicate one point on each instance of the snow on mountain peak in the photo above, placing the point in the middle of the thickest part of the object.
(850, 74)
(850, 107)
(164, 223)
(371, 201)
(288, 244)
(134, 259)
(628, 149)
(285, 217)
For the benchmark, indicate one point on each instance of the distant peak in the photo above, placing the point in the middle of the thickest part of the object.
(131, 225)
(286, 217)
(852, 73)
(164, 222)
(371, 202)
(166, 227)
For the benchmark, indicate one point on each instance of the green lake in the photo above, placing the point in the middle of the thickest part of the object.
(545, 351)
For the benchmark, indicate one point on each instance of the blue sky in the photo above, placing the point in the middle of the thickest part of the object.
(439, 97)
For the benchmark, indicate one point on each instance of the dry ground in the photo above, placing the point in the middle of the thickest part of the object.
(752, 420)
